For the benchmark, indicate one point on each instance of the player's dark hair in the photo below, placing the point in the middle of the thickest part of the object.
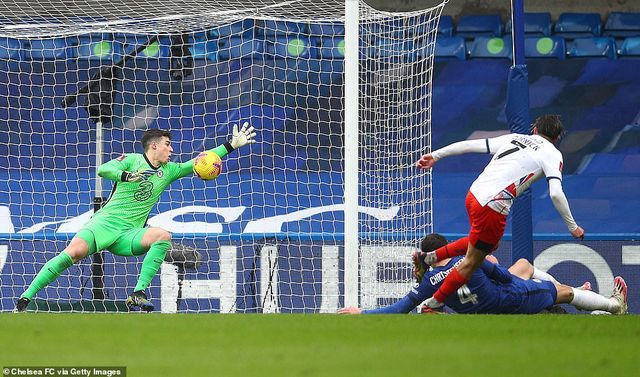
(152, 135)
(432, 241)
(549, 126)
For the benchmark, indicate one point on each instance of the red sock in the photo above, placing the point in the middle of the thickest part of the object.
(458, 247)
(451, 283)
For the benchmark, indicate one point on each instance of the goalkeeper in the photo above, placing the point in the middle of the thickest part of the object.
(119, 226)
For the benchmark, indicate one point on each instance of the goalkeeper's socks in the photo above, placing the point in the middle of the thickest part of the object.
(151, 263)
(451, 283)
(458, 247)
(49, 272)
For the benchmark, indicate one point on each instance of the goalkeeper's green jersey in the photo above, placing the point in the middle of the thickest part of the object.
(131, 202)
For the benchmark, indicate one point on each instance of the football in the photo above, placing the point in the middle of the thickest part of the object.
(207, 165)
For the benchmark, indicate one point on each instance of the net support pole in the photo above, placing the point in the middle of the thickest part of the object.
(517, 111)
(351, 80)
(97, 263)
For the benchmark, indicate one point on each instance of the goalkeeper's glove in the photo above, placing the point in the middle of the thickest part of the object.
(138, 176)
(243, 137)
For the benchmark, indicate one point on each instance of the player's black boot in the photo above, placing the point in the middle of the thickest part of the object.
(22, 304)
(139, 300)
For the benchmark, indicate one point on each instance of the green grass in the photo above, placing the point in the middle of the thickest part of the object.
(326, 345)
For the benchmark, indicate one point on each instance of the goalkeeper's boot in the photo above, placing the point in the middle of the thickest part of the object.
(21, 305)
(419, 267)
(620, 294)
(139, 300)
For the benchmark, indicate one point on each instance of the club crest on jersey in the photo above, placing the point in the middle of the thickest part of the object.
(160, 173)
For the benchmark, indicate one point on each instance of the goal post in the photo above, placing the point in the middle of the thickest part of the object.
(322, 212)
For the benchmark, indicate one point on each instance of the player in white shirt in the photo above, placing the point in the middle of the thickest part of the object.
(519, 160)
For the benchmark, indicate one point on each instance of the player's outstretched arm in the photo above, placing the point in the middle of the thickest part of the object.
(118, 170)
(239, 138)
(467, 146)
(562, 206)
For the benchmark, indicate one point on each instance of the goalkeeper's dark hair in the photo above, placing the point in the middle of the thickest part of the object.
(549, 126)
(152, 135)
(432, 241)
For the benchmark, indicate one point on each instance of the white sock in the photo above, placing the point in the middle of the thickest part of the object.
(541, 275)
(588, 300)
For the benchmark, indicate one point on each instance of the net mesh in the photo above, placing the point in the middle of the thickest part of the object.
(265, 236)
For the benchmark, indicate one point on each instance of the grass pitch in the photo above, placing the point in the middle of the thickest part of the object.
(326, 345)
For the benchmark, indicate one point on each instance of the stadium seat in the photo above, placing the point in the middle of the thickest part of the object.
(326, 30)
(479, 26)
(485, 47)
(158, 49)
(604, 47)
(48, 49)
(330, 48)
(621, 25)
(235, 29)
(545, 47)
(535, 24)
(240, 48)
(204, 49)
(10, 49)
(269, 28)
(630, 47)
(445, 26)
(100, 47)
(578, 25)
(391, 49)
(294, 46)
(450, 48)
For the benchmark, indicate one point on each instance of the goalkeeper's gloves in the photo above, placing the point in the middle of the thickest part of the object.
(243, 137)
(138, 176)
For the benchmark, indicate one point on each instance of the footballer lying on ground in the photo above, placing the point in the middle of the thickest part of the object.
(492, 289)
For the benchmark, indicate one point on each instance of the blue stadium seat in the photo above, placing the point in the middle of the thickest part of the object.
(535, 24)
(10, 49)
(48, 49)
(479, 26)
(240, 48)
(545, 47)
(450, 48)
(130, 42)
(293, 46)
(391, 49)
(204, 49)
(445, 26)
(330, 48)
(326, 30)
(491, 48)
(270, 28)
(578, 25)
(604, 47)
(630, 47)
(100, 47)
(244, 27)
(621, 25)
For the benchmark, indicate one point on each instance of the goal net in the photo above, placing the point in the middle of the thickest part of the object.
(80, 82)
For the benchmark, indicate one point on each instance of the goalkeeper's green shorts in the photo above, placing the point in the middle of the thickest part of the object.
(125, 243)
